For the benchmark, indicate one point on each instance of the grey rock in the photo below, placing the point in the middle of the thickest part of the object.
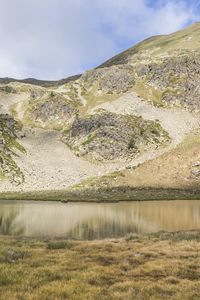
(108, 136)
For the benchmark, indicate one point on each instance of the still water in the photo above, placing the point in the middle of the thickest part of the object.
(96, 220)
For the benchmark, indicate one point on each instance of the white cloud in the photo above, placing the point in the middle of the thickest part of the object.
(56, 38)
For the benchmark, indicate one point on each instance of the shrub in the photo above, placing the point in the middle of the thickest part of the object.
(54, 245)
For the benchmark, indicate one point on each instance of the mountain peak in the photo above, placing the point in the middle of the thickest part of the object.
(156, 46)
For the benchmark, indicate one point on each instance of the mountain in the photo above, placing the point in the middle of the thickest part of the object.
(131, 124)
(44, 83)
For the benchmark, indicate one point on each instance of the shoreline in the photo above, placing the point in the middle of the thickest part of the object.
(178, 235)
(108, 195)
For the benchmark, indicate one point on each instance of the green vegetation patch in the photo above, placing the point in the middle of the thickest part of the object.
(9, 147)
(7, 89)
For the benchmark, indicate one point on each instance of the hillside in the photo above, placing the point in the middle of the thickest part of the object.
(132, 122)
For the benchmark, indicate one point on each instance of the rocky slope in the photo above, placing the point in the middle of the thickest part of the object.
(136, 115)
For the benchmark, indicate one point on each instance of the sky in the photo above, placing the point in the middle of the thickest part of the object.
(53, 39)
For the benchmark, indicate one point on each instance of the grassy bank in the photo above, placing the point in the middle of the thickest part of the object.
(105, 195)
(157, 266)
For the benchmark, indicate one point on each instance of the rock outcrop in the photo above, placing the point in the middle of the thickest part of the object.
(51, 110)
(109, 136)
(116, 79)
(177, 79)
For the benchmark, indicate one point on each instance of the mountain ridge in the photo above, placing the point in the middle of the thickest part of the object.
(40, 82)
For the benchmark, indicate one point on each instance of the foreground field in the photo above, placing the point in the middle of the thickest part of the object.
(157, 266)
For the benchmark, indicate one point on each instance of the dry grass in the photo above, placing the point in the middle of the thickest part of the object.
(93, 100)
(171, 170)
(159, 266)
(148, 93)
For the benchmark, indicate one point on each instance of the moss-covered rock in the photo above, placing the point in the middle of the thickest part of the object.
(53, 110)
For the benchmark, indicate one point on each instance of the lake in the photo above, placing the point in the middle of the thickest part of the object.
(96, 220)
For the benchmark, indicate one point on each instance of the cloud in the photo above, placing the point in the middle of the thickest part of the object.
(56, 38)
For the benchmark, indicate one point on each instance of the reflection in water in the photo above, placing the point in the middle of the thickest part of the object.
(7, 222)
(96, 221)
